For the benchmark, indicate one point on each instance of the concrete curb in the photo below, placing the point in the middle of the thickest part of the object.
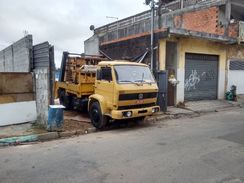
(18, 140)
(43, 137)
(48, 136)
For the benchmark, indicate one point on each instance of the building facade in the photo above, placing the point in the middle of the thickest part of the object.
(197, 42)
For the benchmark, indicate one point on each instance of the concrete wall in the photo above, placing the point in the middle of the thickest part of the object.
(22, 56)
(91, 46)
(42, 94)
(43, 58)
(17, 103)
(208, 19)
(16, 113)
(17, 57)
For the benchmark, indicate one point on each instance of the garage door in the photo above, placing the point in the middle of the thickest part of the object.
(236, 75)
(201, 77)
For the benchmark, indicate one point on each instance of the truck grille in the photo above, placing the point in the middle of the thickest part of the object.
(136, 96)
(138, 106)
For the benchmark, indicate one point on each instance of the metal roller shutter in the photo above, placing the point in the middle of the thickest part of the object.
(201, 77)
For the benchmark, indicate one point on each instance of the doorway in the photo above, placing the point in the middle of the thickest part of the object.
(171, 67)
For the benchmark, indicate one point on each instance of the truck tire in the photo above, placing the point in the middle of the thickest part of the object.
(65, 100)
(97, 118)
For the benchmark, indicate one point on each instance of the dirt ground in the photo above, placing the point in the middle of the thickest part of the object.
(75, 120)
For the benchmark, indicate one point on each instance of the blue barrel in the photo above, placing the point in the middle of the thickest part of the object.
(55, 117)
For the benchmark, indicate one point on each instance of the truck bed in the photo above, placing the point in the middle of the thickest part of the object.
(79, 90)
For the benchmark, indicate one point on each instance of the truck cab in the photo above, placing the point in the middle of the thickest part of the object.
(122, 90)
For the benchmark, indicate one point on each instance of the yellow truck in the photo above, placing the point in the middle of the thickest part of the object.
(107, 89)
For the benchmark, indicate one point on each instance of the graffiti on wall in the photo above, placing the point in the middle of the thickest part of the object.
(192, 81)
(208, 76)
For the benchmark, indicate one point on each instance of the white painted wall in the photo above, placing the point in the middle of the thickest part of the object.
(180, 88)
(16, 113)
(221, 84)
(236, 77)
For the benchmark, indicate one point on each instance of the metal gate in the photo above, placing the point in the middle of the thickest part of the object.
(201, 77)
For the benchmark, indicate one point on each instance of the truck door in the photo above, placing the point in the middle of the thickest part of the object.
(105, 85)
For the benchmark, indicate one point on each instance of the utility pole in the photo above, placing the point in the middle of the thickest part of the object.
(152, 34)
(152, 6)
(181, 4)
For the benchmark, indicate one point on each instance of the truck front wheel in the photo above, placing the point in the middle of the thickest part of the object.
(97, 118)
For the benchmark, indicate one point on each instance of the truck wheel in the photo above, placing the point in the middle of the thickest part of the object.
(65, 100)
(97, 118)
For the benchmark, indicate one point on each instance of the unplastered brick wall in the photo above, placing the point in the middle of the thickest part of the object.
(203, 20)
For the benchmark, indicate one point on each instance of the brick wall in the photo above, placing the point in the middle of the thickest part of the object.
(205, 20)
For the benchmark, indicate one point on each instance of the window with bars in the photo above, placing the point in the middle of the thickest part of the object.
(236, 65)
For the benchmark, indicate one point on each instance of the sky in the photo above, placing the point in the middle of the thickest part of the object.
(63, 23)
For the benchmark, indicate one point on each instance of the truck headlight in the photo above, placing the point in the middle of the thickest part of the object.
(127, 114)
(154, 110)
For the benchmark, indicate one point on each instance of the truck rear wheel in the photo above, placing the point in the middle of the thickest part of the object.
(97, 118)
(65, 100)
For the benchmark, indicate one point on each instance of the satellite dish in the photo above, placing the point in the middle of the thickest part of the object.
(147, 2)
(92, 27)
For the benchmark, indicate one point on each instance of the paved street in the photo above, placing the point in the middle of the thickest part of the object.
(207, 149)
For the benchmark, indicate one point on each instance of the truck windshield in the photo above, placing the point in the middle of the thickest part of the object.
(133, 74)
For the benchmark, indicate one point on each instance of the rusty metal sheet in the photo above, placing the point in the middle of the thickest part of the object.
(10, 98)
(14, 83)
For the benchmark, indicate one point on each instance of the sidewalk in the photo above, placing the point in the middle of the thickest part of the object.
(19, 130)
(77, 123)
(213, 105)
(196, 108)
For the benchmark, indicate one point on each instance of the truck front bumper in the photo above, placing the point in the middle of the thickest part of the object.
(134, 113)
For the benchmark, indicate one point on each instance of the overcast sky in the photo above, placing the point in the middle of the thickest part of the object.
(63, 23)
